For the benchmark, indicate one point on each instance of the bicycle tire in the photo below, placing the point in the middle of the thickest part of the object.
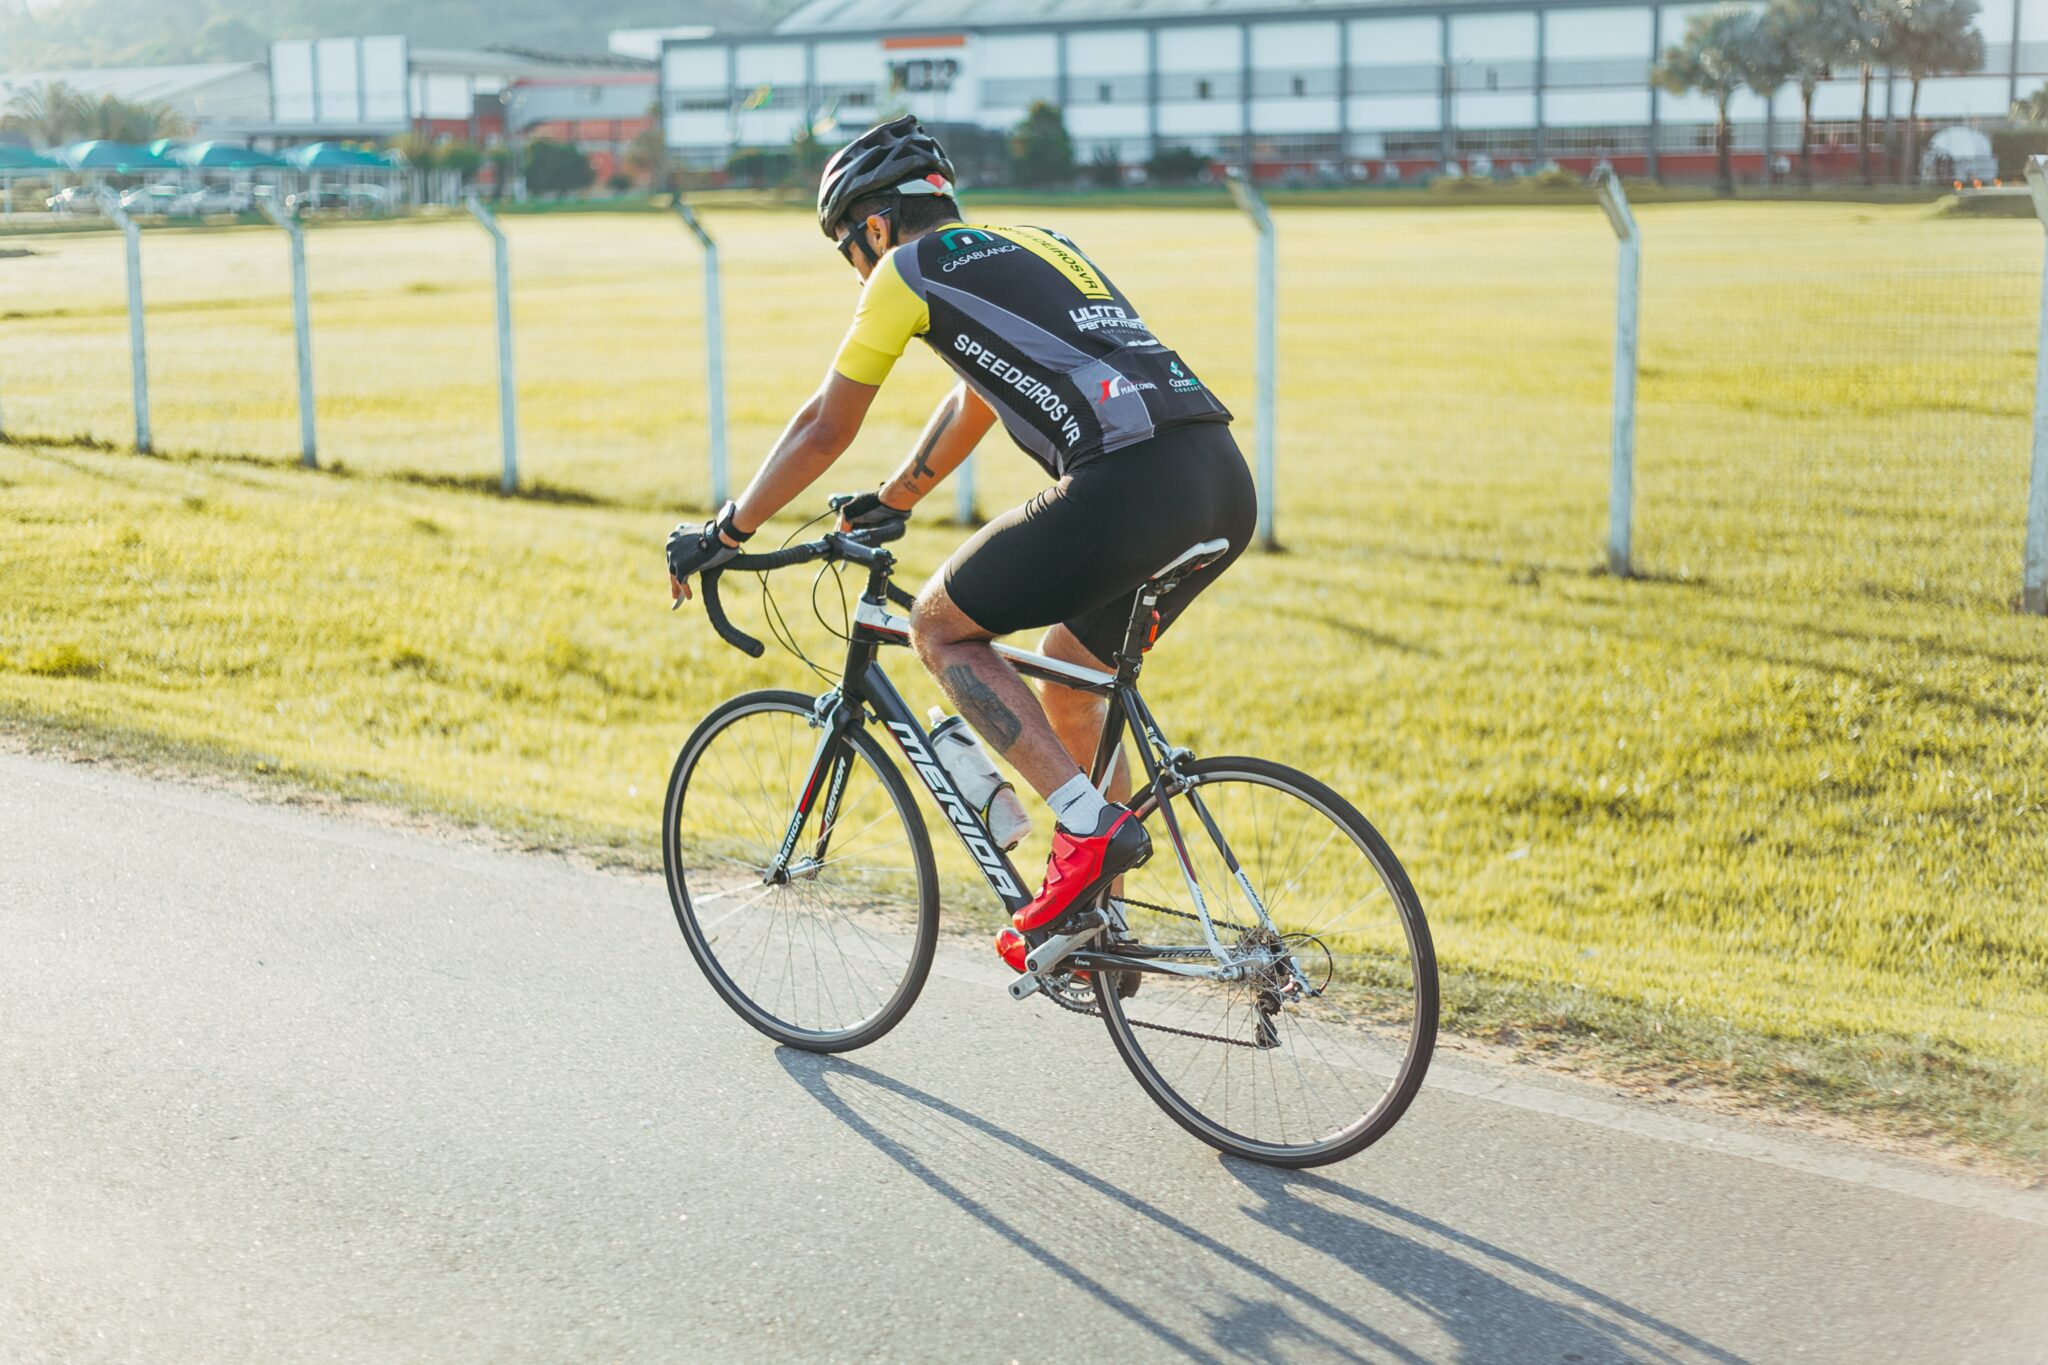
(926, 914)
(1376, 1121)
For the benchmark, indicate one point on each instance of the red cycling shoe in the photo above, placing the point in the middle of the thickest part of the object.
(1081, 866)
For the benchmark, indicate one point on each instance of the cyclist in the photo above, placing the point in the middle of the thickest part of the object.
(1140, 453)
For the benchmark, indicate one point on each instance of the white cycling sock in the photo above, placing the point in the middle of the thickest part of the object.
(1077, 805)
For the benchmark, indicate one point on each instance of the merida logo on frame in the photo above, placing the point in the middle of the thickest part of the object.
(956, 809)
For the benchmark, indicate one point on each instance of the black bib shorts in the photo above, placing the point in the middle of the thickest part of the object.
(1078, 552)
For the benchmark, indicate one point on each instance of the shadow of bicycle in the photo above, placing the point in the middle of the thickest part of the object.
(1297, 1266)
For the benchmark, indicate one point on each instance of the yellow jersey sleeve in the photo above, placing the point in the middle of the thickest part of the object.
(889, 315)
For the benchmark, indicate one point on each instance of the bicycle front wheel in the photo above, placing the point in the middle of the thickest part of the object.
(1315, 1048)
(820, 935)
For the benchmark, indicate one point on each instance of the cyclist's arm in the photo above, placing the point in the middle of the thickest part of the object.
(818, 435)
(889, 315)
(956, 427)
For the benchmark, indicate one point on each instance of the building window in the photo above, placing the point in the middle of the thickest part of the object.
(1201, 90)
(1102, 92)
(1300, 85)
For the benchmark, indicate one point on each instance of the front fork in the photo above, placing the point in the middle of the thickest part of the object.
(831, 764)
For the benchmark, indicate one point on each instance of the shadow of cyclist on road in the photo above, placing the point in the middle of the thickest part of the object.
(1407, 1278)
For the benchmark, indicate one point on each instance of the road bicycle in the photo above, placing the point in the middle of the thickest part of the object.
(1267, 976)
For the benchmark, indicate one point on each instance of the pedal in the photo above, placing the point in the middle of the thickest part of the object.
(1057, 949)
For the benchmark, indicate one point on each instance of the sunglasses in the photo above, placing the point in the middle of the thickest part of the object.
(853, 234)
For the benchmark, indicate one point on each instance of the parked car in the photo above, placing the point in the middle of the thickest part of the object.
(357, 201)
(79, 199)
(213, 199)
(151, 198)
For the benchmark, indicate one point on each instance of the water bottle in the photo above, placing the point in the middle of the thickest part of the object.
(974, 773)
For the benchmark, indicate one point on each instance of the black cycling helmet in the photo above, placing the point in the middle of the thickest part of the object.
(897, 157)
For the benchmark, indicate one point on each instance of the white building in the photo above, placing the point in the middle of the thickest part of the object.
(1308, 86)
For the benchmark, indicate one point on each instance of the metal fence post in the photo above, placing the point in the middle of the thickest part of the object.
(714, 350)
(302, 326)
(1267, 333)
(508, 405)
(1621, 491)
(138, 347)
(2034, 581)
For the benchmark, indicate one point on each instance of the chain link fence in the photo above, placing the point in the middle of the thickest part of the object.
(1832, 392)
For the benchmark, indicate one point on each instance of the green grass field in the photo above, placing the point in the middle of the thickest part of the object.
(1773, 817)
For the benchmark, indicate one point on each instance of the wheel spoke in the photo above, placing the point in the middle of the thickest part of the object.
(1249, 1064)
(833, 950)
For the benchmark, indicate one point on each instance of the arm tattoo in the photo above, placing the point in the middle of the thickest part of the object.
(922, 469)
(984, 710)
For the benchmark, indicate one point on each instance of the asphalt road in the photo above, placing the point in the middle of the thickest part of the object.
(276, 1086)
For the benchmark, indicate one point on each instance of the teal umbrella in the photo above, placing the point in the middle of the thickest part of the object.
(226, 156)
(102, 155)
(166, 147)
(332, 156)
(13, 158)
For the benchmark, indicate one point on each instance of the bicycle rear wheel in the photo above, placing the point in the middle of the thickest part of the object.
(829, 952)
(1316, 1051)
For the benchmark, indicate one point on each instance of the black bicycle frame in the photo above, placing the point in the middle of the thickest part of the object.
(865, 684)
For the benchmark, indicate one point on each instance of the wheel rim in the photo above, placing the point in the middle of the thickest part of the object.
(830, 949)
(1278, 1071)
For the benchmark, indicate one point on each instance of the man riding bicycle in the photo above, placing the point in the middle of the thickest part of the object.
(1140, 451)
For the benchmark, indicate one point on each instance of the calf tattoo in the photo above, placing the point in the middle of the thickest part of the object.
(984, 710)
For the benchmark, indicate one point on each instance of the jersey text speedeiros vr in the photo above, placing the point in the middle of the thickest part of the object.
(1037, 331)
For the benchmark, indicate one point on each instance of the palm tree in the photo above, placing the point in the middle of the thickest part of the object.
(1707, 59)
(49, 114)
(1873, 49)
(1932, 38)
(117, 120)
(1822, 35)
(1765, 61)
(2031, 108)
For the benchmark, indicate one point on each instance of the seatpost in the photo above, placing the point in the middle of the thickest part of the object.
(1138, 637)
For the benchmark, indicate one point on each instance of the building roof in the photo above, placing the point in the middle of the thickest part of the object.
(843, 16)
(136, 84)
(520, 61)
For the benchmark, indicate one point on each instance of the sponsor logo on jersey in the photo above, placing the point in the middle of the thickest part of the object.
(1182, 381)
(1116, 386)
(964, 239)
(955, 808)
(1106, 316)
(1063, 256)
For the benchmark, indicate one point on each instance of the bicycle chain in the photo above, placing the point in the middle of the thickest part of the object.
(1095, 1011)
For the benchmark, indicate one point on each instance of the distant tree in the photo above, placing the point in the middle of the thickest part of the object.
(758, 168)
(464, 158)
(2031, 108)
(808, 154)
(1873, 49)
(48, 114)
(1931, 38)
(117, 120)
(1105, 169)
(1041, 153)
(420, 149)
(1765, 61)
(1176, 166)
(556, 168)
(1707, 59)
(230, 38)
(647, 153)
(618, 182)
(1822, 35)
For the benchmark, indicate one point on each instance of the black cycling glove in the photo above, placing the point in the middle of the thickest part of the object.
(867, 511)
(693, 549)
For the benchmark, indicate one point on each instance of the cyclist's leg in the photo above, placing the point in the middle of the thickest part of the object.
(992, 696)
(1077, 716)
